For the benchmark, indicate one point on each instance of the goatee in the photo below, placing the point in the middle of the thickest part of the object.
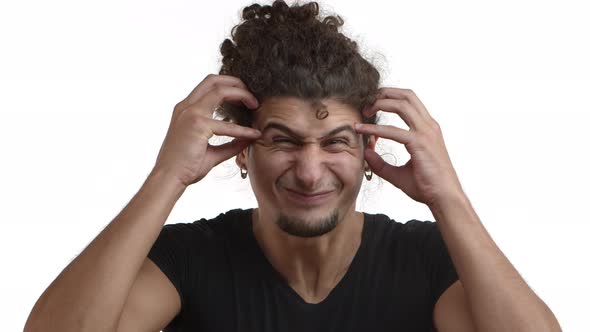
(300, 227)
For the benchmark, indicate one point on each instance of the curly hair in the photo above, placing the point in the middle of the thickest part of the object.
(285, 51)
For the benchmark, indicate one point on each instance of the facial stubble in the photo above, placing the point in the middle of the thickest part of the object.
(303, 228)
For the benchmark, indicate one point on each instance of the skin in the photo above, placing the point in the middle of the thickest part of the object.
(110, 289)
(490, 295)
(295, 153)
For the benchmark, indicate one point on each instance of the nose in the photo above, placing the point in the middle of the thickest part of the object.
(310, 167)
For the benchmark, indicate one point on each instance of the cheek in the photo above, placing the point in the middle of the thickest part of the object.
(350, 162)
(347, 167)
(268, 160)
(350, 157)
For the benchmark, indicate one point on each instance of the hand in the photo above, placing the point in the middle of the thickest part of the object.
(429, 175)
(186, 154)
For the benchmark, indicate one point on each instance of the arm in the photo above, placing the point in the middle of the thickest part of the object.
(93, 292)
(499, 299)
(89, 294)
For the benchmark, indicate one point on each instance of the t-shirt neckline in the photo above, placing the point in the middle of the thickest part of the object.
(280, 282)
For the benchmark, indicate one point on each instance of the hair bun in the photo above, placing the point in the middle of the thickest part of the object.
(281, 50)
(279, 11)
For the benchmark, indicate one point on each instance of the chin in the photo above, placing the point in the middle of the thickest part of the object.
(310, 226)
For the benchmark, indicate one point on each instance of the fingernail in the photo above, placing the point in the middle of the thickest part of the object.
(358, 126)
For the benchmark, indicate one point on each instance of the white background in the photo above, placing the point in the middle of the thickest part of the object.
(87, 91)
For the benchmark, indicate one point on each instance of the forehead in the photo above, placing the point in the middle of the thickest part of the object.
(302, 115)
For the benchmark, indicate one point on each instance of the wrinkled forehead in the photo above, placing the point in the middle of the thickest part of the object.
(302, 114)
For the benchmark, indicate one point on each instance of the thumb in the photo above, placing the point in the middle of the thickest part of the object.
(381, 168)
(220, 153)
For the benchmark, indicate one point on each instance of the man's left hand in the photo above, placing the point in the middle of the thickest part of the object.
(428, 176)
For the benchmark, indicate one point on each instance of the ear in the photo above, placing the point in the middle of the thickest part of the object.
(371, 145)
(241, 158)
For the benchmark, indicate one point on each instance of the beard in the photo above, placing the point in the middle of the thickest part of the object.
(301, 228)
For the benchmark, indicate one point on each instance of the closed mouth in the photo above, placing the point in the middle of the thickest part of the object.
(319, 193)
(307, 199)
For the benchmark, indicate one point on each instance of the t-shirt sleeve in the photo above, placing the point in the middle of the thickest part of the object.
(439, 267)
(171, 252)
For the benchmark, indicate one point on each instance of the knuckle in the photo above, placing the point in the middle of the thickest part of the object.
(409, 92)
(216, 90)
(405, 104)
(238, 128)
(195, 119)
(379, 104)
(178, 107)
(437, 126)
(234, 127)
(234, 79)
(422, 139)
(199, 124)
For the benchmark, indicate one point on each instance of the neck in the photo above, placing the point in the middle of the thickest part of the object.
(311, 266)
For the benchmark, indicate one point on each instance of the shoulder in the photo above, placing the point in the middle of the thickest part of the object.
(383, 224)
(214, 228)
(405, 238)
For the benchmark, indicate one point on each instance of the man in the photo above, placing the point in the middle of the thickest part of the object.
(304, 259)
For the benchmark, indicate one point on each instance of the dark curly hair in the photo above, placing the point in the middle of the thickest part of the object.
(279, 50)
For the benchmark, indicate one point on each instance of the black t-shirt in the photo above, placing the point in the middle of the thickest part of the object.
(226, 283)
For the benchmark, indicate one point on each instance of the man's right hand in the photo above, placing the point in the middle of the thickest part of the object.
(186, 154)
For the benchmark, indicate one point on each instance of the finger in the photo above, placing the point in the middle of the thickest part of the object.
(209, 103)
(223, 128)
(391, 132)
(406, 94)
(220, 153)
(211, 81)
(403, 108)
(219, 93)
(207, 84)
(379, 166)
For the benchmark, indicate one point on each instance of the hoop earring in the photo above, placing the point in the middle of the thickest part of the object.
(243, 173)
(369, 176)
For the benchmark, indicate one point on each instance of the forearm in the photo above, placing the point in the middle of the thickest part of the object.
(90, 293)
(500, 299)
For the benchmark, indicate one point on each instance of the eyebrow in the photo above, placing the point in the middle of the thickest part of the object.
(289, 131)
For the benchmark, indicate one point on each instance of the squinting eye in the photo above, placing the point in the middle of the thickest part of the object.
(280, 140)
(337, 141)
